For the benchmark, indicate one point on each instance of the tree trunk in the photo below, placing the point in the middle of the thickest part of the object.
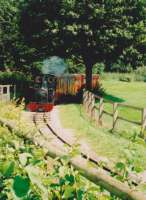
(89, 67)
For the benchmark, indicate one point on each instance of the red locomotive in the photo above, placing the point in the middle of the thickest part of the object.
(48, 89)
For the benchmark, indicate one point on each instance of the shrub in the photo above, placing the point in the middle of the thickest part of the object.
(137, 75)
(99, 90)
(120, 66)
(16, 78)
(26, 172)
(99, 68)
(74, 68)
(140, 74)
(126, 78)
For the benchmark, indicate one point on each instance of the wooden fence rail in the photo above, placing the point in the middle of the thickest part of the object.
(89, 103)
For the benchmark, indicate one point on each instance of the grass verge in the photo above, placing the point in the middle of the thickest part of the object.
(105, 143)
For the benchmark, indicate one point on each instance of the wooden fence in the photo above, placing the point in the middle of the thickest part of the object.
(89, 103)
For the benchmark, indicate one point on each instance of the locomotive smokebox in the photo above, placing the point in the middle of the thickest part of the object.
(44, 93)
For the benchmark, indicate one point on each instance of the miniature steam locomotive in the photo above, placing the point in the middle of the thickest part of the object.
(47, 89)
(42, 94)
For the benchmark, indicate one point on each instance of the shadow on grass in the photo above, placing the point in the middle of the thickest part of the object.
(77, 99)
(69, 99)
(112, 98)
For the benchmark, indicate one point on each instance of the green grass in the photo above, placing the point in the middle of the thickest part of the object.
(111, 145)
(129, 93)
(106, 144)
(132, 93)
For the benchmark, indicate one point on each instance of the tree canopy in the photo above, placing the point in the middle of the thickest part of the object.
(15, 55)
(92, 31)
(8, 32)
(88, 32)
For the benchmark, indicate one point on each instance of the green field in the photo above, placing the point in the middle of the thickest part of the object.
(131, 93)
(115, 146)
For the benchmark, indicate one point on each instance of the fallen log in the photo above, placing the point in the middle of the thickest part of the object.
(94, 174)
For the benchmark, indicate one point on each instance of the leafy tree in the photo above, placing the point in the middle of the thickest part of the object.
(5, 21)
(14, 54)
(91, 31)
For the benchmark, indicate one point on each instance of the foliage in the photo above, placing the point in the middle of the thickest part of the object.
(74, 67)
(115, 76)
(126, 165)
(14, 54)
(107, 31)
(99, 68)
(26, 172)
(8, 32)
(15, 78)
(126, 78)
(19, 79)
(136, 75)
(111, 32)
(24, 164)
(99, 90)
(140, 74)
(120, 66)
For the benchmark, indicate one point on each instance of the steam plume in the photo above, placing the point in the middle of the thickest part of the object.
(54, 65)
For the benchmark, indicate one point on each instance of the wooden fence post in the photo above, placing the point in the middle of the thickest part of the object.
(115, 115)
(100, 111)
(84, 98)
(86, 103)
(93, 107)
(89, 104)
(143, 127)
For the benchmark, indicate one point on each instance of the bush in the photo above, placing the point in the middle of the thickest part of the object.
(99, 90)
(99, 68)
(120, 66)
(19, 79)
(137, 75)
(140, 74)
(27, 172)
(118, 76)
(126, 78)
(74, 68)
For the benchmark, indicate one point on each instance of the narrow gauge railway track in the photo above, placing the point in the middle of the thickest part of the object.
(43, 118)
(43, 121)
